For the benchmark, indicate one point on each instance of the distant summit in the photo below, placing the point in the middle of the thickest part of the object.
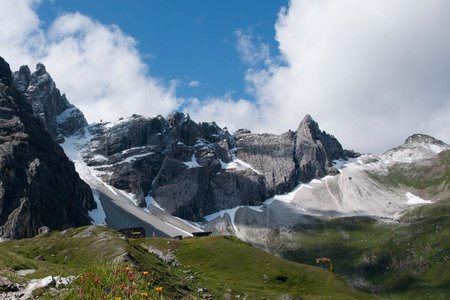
(417, 146)
(59, 117)
(419, 138)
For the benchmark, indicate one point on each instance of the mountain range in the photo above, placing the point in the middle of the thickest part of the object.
(174, 176)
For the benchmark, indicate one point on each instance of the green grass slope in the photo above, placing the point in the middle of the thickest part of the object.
(431, 176)
(227, 265)
(408, 259)
(216, 266)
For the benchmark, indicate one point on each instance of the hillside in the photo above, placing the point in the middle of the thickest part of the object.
(408, 258)
(213, 267)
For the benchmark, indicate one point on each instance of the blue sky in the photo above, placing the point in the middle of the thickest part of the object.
(369, 72)
(192, 42)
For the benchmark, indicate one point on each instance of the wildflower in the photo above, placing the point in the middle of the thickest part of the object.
(159, 289)
(117, 298)
(145, 273)
(107, 290)
(127, 269)
(144, 294)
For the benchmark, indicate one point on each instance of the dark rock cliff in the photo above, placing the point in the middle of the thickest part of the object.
(58, 116)
(191, 169)
(38, 184)
(179, 162)
(194, 169)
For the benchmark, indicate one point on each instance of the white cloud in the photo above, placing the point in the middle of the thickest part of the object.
(194, 83)
(370, 72)
(97, 66)
(252, 51)
(225, 111)
(19, 31)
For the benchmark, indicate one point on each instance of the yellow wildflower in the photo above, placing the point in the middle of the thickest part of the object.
(145, 273)
(158, 289)
(144, 294)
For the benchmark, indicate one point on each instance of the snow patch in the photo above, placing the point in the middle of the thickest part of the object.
(150, 201)
(97, 215)
(412, 152)
(134, 157)
(231, 212)
(339, 164)
(413, 199)
(193, 163)
(68, 113)
(99, 157)
(289, 197)
(237, 164)
(133, 149)
(109, 125)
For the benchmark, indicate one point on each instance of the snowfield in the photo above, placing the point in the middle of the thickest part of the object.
(355, 191)
(121, 204)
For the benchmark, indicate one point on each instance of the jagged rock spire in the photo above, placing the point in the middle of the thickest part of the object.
(58, 116)
(5, 72)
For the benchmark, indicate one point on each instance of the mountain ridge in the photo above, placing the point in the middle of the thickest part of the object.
(39, 185)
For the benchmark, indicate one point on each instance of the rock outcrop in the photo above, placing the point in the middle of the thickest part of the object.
(292, 157)
(58, 116)
(182, 164)
(190, 169)
(38, 184)
(194, 169)
(315, 150)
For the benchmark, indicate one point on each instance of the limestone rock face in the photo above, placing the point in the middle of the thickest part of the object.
(174, 159)
(272, 156)
(38, 184)
(59, 117)
(194, 169)
(315, 150)
(190, 169)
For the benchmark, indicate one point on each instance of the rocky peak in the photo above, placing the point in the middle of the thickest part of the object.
(5, 73)
(315, 150)
(38, 184)
(40, 70)
(416, 147)
(419, 138)
(23, 78)
(308, 128)
(58, 116)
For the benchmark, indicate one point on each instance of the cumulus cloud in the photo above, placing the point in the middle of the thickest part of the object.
(225, 111)
(251, 50)
(98, 66)
(19, 31)
(370, 72)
